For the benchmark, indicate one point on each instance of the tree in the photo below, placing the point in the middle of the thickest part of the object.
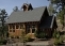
(3, 15)
(58, 39)
(51, 9)
(3, 28)
(61, 17)
(60, 5)
(15, 8)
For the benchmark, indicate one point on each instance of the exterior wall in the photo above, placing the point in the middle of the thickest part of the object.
(48, 31)
(17, 32)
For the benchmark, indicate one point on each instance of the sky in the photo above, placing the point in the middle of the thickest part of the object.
(8, 5)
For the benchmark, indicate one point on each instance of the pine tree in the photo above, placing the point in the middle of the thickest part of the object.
(15, 8)
(60, 5)
(3, 28)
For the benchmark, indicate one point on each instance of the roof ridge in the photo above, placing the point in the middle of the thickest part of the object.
(24, 16)
(33, 9)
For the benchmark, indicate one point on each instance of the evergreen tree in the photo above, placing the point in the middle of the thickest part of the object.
(15, 8)
(51, 9)
(60, 5)
(3, 28)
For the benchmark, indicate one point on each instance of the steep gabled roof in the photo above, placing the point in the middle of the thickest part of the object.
(26, 16)
(48, 22)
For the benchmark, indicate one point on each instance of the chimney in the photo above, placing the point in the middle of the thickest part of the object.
(27, 7)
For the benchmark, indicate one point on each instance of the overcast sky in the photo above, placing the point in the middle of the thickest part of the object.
(10, 4)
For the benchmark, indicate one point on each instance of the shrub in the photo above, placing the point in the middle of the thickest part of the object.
(28, 38)
(56, 34)
(3, 41)
(40, 34)
(58, 41)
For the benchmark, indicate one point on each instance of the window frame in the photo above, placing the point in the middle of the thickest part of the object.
(28, 28)
(12, 27)
(17, 26)
(33, 27)
(21, 26)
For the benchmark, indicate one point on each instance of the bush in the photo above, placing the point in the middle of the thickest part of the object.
(56, 34)
(28, 38)
(3, 41)
(40, 34)
(58, 41)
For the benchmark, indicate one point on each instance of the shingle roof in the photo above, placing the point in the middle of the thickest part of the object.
(26, 16)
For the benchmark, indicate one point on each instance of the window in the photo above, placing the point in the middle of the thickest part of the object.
(12, 26)
(13, 30)
(33, 28)
(27, 28)
(10, 30)
(21, 26)
(12, 37)
(17, 37)
(17, 26)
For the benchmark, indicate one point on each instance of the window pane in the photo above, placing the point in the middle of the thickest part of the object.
(17, 26)
(33, 30)
(12, 26)
(21, 26)
(12, 37)
(28, 30)
(13, 30)
(10, 30)
(33, 26)
(28, 26)
(17, 37)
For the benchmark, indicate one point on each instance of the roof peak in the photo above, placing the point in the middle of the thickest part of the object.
(27, 7)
